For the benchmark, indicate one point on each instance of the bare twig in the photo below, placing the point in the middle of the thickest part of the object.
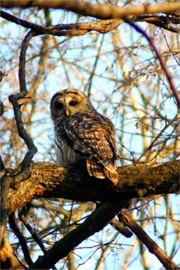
(150, 244)
(168, 75)
(156, 138)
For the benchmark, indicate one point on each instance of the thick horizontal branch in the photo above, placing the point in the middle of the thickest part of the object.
(51, 180)
(103, 26)
(73, 29)
(98, 11)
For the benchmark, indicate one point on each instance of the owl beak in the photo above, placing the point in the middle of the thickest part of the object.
(67, 113)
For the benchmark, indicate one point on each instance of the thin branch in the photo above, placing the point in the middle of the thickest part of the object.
(168, 75)
(22, 65)
(149, 148)
(21, 238)
(176, 59)
(150, 244)
(94, 223)
(14, 100)
(161, 21)
(119, 226)
(85, 8)
(32, 232)
(165, 19)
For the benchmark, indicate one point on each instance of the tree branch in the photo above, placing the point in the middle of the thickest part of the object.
(163, 21)
(8, 259)
(162, 63)
(51, 180)
(98, 11)
(94, 223)
(73, 29)
(24, 170)
(103, 26)
(144, 237)
(20, 237)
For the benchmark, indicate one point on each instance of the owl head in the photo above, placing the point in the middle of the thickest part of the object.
(69, 102)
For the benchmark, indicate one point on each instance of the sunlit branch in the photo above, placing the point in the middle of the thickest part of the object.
(85, 8)
(69, 30)
(51, 180)
(144, 237)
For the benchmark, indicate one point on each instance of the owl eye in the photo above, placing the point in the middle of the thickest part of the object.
(73, 103)
(58, 105)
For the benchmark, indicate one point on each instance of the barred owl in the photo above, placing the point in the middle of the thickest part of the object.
(83, 135)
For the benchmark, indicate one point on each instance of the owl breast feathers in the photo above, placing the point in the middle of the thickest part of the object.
(83, 133)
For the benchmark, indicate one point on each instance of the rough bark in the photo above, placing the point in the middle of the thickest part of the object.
(51, 180)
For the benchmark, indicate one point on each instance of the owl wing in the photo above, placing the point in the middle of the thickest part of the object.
(94, 139)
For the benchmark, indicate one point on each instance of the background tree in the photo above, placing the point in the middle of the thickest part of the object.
(127, 62)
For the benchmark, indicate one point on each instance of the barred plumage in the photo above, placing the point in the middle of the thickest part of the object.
(81, 133)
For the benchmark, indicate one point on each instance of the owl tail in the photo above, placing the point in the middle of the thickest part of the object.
(94, 169)
(109, 171)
